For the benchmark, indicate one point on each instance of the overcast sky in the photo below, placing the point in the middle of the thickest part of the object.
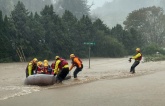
(98, 3)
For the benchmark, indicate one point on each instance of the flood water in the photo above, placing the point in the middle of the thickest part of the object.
(12, 75)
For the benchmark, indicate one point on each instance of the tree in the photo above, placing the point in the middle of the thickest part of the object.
(54, 31)
(85, 29)
(1, 21)
(70, 24)
(150, 22)
(77, 7)
(99, 25)
(85, 33)
(19, 17)
(135, 40)
(162, 4)
(6, 6)
(32, 5)
(35, 41)
(36, 5)
(119, 34)
(1, 36)
(130, 39)
(6, 50)
(107, 46)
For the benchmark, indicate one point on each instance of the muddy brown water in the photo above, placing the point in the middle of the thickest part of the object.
(12, 75)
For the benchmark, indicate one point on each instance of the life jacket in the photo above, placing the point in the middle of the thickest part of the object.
(139, 58)
(73, 62)
(53, 65)
(39, 68)
(45, 70)
(62, 63)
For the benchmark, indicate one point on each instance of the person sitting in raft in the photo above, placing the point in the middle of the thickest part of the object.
(31, 67)
(53, 67)
(47, 69)
(39, 67)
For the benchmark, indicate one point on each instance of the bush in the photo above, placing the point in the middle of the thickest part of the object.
(154, 57)
(5, 60)
(153, 49)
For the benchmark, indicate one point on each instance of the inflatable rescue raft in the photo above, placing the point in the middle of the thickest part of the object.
(42, 79)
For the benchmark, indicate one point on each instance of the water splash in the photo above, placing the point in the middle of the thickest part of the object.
(13, 91)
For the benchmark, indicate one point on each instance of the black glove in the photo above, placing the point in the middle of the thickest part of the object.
(129, 59)
(55, 74)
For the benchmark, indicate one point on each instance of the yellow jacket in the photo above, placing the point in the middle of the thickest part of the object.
(30, 66)
(138, 56)
(56, 70)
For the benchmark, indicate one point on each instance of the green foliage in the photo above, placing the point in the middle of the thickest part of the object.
(108, 47)
(150, 22)
(154, 57)
(130, 39)
(70, 24)
(99, 25)
(27, 35)
(6, 6)
(85, 29)
(5, 48)
(152, 49)
(32, 5)
(77, 7)
(36, 5)
(1, 21)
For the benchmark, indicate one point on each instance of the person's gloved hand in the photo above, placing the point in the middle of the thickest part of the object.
(55, 74)
(129, 59)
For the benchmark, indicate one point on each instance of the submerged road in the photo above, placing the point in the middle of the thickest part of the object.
(137, 90)
(145, 90)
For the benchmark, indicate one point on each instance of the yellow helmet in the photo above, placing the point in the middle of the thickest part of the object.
(138, 49)
(45, 64)
(39, 63)
(57, 57)
(45, 61)
(35, 60)
(72, 55)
